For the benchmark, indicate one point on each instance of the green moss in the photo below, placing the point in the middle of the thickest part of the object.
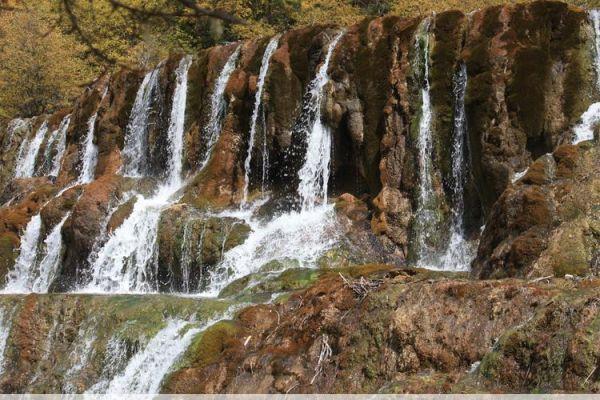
(571, 257)
(266, 283)
(208, 346)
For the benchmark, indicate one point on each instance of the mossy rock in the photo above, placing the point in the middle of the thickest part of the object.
(208, 346)
(267, 283)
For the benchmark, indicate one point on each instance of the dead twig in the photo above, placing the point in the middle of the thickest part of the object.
(590, 375)
(362, 287)
(324, 355)
(543, 278)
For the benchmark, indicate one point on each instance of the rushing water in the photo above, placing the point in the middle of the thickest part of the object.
(125, 261)
(176, 125)
(459, 252)
(37, 264)
(51, 259)
(28, 152)
(135, 150)
(314, 174)
(302, 236)
(61, 145)
(218, 104)
(56, 143)
(595, 18)
(5, 325)
(146, 369)
(17, 278)
(264, 68)
(90, 153)
(591, 118)
(425, 216)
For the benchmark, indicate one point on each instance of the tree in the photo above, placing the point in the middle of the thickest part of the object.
(41, 67)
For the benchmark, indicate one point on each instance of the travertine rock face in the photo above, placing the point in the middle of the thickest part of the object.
(547, 222)
(530, 77)
(362, 321)
(413, 332)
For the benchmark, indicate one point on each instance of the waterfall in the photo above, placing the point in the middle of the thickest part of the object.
(57, 142)
(61, 138)
(28, 152)
(218, 104)
(303, 235)
(123, 263)
(595, 18)
(36, 265)
(5, 325)
(90, 153)
(264, 68)
(50, 262)
(176, 125)
(17, 278)
(136, 139)
(186, 255)
(300, 236)
(591, 118)
(459, 252)
(314, 174)
(146, 369)
(425, 217)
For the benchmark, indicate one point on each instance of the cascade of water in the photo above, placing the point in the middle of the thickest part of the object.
(459, 251)
(115, 359)
(18, 277)
(186, 255)
(5, 325)
(28, 152)
(591, 118)
(48, 160)
(146, 369)
(36, 267)
(122, 264)
(136, 139)
(314, 174)
(595, 17)
(426, 202)
(176, 125)
(264, 68)
(302, 236)
(81, 353)
(90, 154)
(50, 262)
(61, 138)
(218, 104)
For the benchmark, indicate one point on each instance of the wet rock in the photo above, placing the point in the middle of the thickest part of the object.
(191, 244)
(541, 224)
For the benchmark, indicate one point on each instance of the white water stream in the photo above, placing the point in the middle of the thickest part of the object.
(264, 68)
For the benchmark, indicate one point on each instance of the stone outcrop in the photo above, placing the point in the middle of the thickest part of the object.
(408, 331)
(546, 223)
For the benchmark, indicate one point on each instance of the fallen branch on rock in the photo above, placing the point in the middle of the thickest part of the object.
(323, 356)
(361, 287)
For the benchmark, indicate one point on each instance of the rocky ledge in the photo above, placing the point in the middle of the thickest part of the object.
(380, 329)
